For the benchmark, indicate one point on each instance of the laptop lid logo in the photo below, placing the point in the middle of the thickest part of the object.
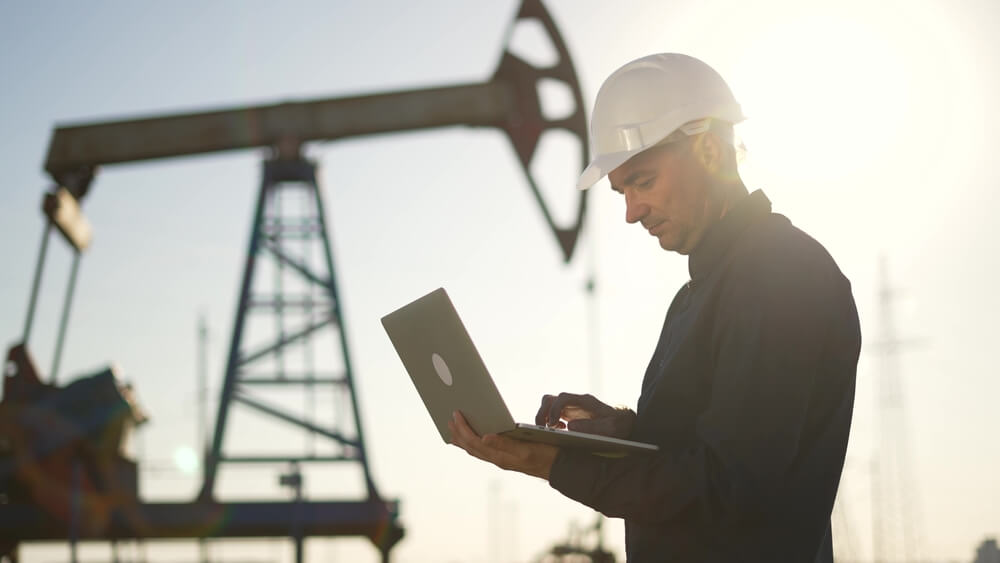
(442, 369)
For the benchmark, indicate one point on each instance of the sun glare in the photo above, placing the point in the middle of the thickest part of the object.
(186, 460)
(823, 96)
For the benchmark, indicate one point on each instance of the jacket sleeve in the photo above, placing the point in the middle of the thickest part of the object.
(767, 336)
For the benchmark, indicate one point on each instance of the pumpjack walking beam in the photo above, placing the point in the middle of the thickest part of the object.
(509, 101)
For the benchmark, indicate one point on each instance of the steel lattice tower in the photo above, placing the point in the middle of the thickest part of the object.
(288, 309)
(301, 301)
(895, 504)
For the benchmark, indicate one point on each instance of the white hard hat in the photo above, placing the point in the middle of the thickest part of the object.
(646, 100)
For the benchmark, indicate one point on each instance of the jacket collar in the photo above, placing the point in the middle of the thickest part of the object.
(720, 236)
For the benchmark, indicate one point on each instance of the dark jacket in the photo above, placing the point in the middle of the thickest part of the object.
(749, 395)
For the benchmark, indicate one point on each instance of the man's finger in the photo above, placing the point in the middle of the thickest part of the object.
(618, 424)
(576, 412)
(466, 438)
(558, 404)
(541, 417)
(495, 449)
(506, 453)
(461, 433)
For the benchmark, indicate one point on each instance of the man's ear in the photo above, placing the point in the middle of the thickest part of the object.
(708, 148)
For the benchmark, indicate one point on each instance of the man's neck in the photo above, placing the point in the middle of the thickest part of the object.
(729, 194)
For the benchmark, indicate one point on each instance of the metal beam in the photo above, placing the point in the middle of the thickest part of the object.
(266, 409)
(294, 380)
(86, 146)
(271, 245)
(285, 460)
(375, 520)
(62, 208)
(271, 348)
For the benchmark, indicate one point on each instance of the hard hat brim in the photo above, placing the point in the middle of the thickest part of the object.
(606, 163)
(602, 166)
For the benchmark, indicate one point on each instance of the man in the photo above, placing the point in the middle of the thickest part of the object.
(750, 390)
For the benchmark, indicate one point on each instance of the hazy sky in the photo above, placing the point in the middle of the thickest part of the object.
(872, 126)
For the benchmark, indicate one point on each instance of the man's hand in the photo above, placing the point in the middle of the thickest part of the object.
(584, 413)
(506, 453)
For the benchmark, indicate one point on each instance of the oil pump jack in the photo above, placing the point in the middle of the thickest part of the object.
(65, 479)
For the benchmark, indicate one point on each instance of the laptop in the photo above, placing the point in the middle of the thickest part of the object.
(450, 376)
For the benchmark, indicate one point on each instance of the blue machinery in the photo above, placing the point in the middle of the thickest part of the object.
(301, 303)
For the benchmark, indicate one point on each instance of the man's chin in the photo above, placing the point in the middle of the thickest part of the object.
(671, 245)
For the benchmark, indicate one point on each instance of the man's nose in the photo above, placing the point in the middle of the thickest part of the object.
(634, 210)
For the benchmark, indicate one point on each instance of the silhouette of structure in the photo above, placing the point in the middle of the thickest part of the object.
(988, 552)
(297, 299)
(895, 503)
(576, 548)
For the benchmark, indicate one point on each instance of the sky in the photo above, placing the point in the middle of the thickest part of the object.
(872, 126)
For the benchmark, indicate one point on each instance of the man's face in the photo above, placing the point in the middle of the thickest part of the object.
(666, 189)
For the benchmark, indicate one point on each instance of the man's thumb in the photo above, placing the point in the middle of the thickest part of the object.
(582, 425)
